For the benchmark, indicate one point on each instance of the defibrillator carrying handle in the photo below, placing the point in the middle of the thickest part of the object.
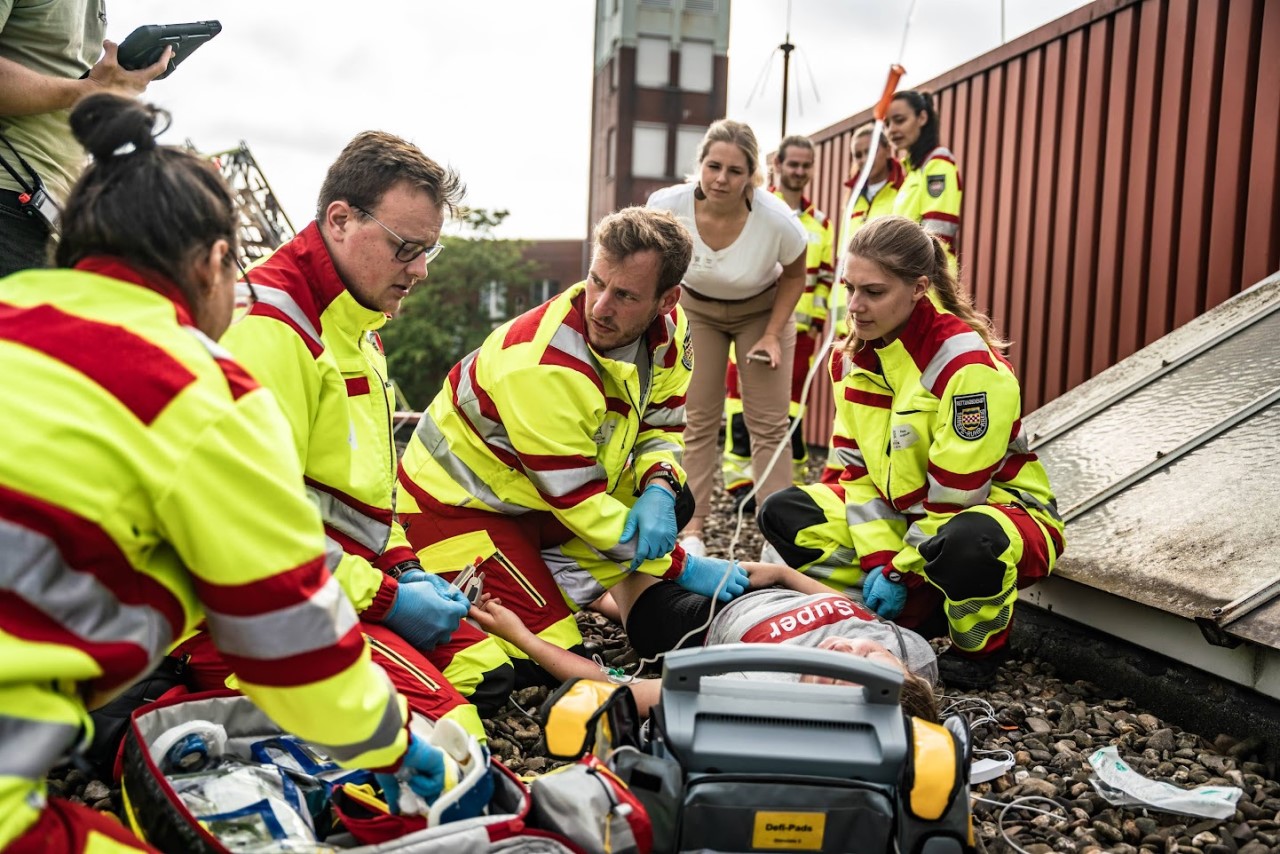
(685, 668)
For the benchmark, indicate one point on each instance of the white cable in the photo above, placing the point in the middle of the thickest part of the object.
(1018, 803)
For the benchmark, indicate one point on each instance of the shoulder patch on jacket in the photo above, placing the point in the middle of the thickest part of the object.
(969, 415)
(686, 357)
(936, 184)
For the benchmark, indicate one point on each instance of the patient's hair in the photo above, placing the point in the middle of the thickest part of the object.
(918, 699)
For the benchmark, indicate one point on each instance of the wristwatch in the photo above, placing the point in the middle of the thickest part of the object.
(665, 472)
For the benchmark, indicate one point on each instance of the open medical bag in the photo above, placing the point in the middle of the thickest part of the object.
(761, 765)
(159, 815)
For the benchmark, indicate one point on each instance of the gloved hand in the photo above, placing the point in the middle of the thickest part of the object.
(424, 617)
(704, 575)
(652, 521)
(415, 574)
(423, 769)
(881, 595)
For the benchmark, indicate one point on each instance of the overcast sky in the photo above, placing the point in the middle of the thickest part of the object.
(501, 90)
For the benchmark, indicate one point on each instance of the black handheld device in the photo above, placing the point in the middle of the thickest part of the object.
(145, 45)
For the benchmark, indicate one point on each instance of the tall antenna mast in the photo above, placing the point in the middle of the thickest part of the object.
(786, 47)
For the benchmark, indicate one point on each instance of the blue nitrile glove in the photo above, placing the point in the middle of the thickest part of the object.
(882, 595)
(424, 764)
(418, 575)
(652, 521)
(424, 617)
(704, 575)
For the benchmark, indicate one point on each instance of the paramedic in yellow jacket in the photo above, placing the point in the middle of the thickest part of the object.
(932, 190)
(876, 200)
(312, 339)
(143, 490)
(942, 512)
(792, 166)
(553, 452)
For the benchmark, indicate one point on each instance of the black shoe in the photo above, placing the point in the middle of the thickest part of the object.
(962, 673)
(741, 503)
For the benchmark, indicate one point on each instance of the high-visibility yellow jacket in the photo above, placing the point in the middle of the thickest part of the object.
(142, 490)
(536, 419)
(926, 426)
(317, 349)
(931, 195)
(820, 269)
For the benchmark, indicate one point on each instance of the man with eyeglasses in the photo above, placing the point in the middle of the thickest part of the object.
(314, 308)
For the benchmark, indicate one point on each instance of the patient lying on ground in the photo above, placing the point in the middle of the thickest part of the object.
(784, 607)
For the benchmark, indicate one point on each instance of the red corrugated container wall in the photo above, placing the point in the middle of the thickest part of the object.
(1121, 171)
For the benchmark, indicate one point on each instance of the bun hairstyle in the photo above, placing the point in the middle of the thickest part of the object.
(906, 251)
(157, 207)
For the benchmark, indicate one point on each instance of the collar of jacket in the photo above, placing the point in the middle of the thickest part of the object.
(655, 336)
(895, 178)
(806, 206)
(121, 270)
(919, 328)
(333, 300)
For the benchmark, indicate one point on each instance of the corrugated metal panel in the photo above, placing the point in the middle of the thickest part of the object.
(1122, 176)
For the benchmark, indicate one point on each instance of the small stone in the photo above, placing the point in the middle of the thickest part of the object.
(1148, 722)
(1204, 838)
(1107, 832)
(1161, 740)
(104, 805)
(1248, 747)
(536, 764)
(1035, 786)
(96, 790)
(1255, 847)
(1039, 726)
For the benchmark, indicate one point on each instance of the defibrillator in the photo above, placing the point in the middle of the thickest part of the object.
(746, 765)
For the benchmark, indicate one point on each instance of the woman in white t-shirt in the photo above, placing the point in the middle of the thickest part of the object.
(744, 281)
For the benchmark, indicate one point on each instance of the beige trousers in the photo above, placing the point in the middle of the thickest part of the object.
(766, 393)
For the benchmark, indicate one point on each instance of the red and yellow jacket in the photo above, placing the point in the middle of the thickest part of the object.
(926, 426)
(317, 349)
(820, 271)
(538, 420)
(931, 195)
(142, 490)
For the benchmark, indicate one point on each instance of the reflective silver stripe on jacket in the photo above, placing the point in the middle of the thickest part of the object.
(365, 530)
(577, 583)
(432, 437)
(956, 345)
(384, 736)
(846, 457)
(29, 748)
(661, 416)
(870, 511)
(940, 227)
(490, 431)
(285, 304)
(561, 482)
(567, 340)
(33, 568)
(939, 494)
(317, 623)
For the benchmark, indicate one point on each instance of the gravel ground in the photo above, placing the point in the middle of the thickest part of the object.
(1049, 723)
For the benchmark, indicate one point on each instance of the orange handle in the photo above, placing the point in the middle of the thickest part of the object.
(890, 86)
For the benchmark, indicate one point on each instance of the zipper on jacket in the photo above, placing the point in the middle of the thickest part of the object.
(388, 406)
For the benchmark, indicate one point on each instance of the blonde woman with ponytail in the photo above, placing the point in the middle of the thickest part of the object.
(941, 512)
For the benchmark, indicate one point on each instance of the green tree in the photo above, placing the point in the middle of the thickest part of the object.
(443, 319)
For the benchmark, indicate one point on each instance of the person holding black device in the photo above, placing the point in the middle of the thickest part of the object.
(49, 58)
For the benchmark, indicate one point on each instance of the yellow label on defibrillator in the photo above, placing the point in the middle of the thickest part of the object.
(793, 831)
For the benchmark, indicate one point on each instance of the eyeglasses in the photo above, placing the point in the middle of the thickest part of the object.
(246, 296)
(408, 249)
